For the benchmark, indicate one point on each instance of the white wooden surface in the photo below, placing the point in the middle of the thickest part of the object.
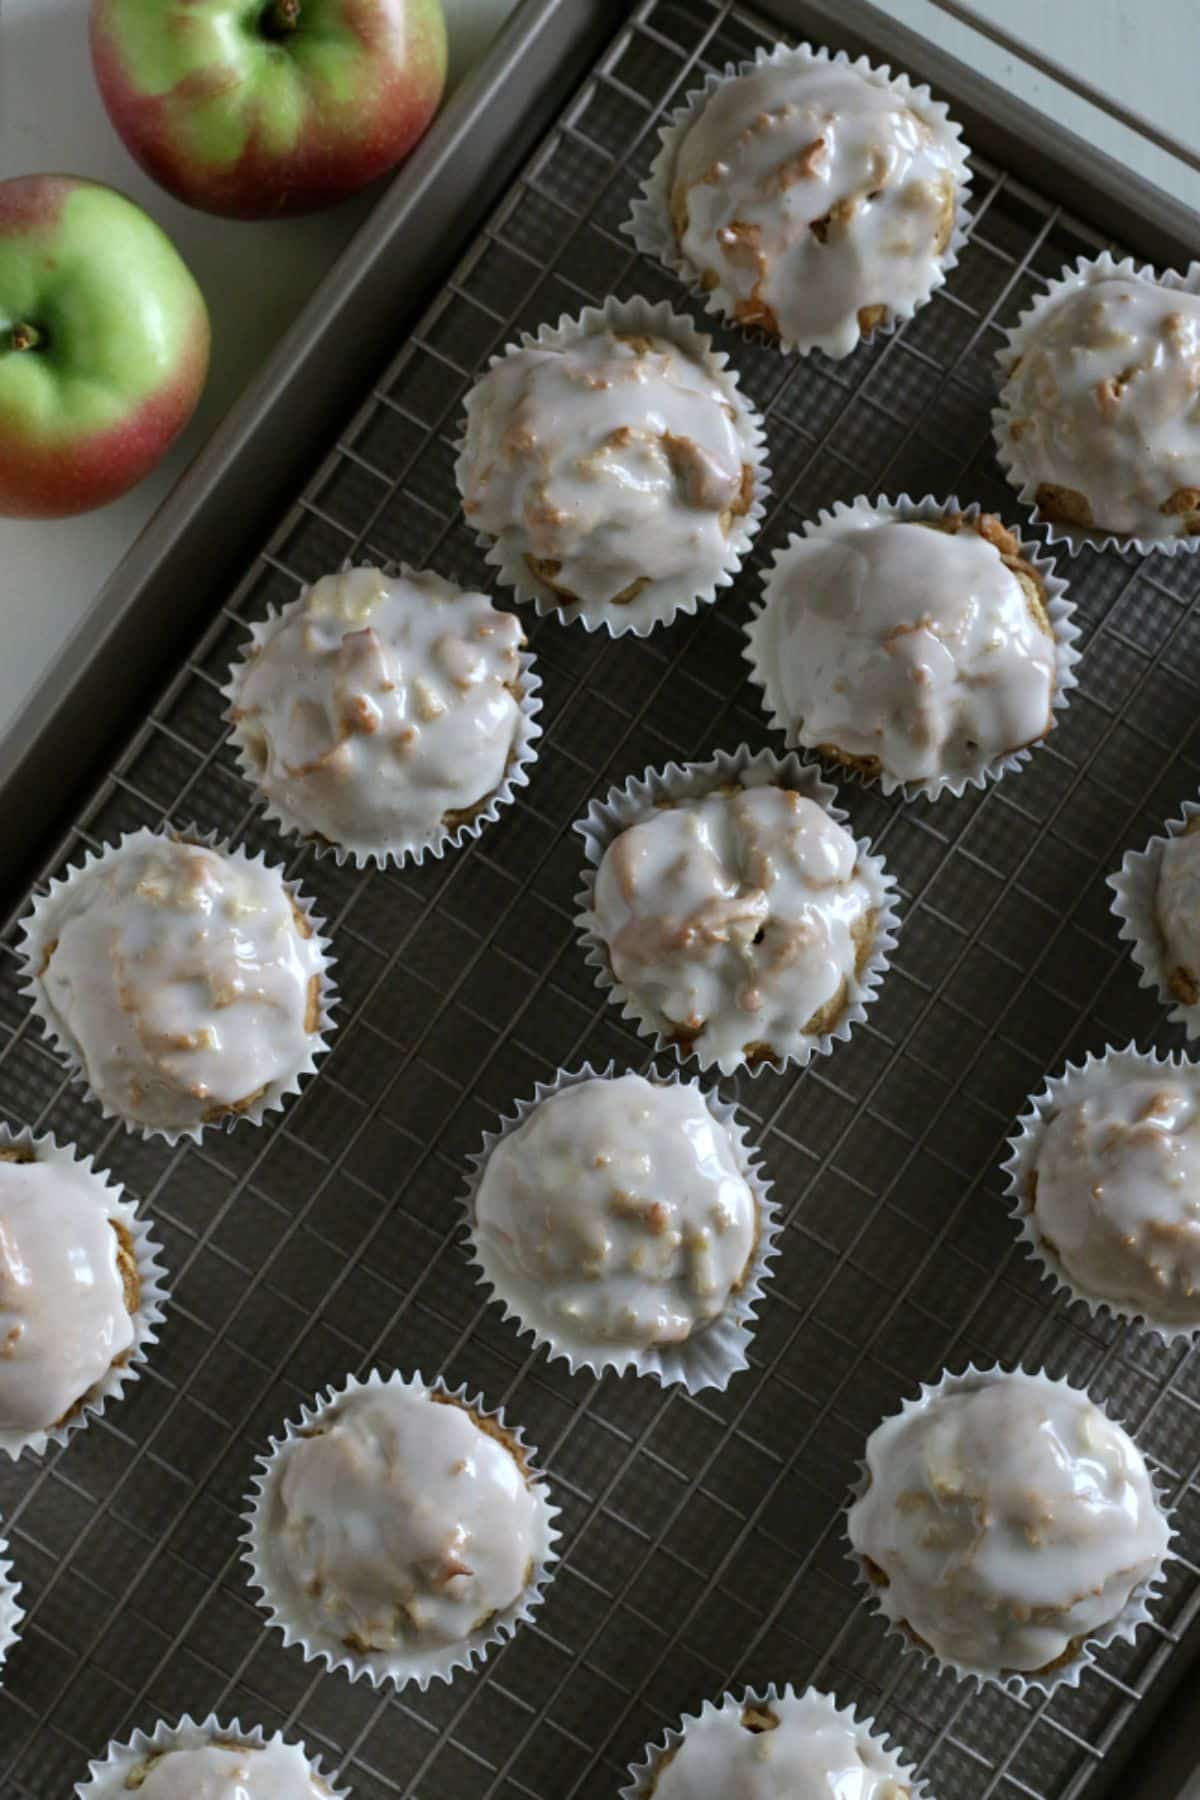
(257, 277)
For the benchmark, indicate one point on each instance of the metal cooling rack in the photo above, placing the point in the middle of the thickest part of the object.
(703, 1536)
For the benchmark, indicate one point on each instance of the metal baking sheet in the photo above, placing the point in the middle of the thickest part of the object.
(704, 1537)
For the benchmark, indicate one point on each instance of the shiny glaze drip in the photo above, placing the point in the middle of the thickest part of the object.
(185, 981)
(607, 464)
(398, 1523)
(796, 1748)
(1009, 1521)
(812, 195)
(1118, 1194)
(1104, 406)
(920, 648)
(619, 1214)
(381, 709)
(739, 917)
(63, 1316)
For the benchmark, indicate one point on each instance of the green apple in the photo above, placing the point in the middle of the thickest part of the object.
(103, 345)
(256, 108)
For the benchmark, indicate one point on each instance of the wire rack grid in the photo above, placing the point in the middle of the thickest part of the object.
(703, 1536)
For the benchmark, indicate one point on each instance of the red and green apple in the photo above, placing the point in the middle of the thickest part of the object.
(104, 344)
(257, 108)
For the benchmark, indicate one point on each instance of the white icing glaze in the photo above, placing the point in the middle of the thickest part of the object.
(379, 706)
(183, 980)
(814, 1752)
(682, 897)
(793, 144)
(402, 1525)
(1118, 1194)
(1104, 401)
(231, 1772)
(891, 640)
(63, 1317)
(618, 1214)
(614, 459)
(1177, 903)
(1012, 1520)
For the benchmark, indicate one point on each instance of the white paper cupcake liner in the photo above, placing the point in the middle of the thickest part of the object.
(829, 523)
(1077, 537)
(36, 929)
(651, 227)
(624, 806)
(662, 600)
(107, 1776)
(711, 1356)
(398, 1667)
(1124, 1628)
(1135, 886)
(11, 1610)
(1081, 1081)
(516, 775)
(149, 1314)
(643, 1775)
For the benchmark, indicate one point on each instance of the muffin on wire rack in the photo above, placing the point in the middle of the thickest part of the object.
(385, 716)
(81, 1291)
(613, 467)
(919, 644)
(207, 1761)
(398, 1531)
(625, 1222)
(1096, 424)
(185, 983)
(1007, 1528)
(773, 1744)
(814, 198)
(731, 914)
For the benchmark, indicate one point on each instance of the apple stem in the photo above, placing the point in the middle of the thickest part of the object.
(281, 18)
(24, 337)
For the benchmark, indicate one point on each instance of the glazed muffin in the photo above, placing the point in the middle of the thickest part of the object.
(1004, 1521)
(185, 982)
(816, 199)
(617, 1216)
(1097, 418)
(801, 1746)
(909, 650)
(609, 466)
(224, 1770)
(380, 714)
(1177, 908)
(397, 1523)
(741, 921)
(70, 1288)
(1113, 1192)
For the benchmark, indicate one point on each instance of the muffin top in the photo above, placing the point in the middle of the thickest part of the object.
(617, 1214)
(607, 465)
(1101, 407)
(1116, 1194)
(380, 710)
(794, 1748)
(224, 1771)
(1006, 1522)
(400, 1522)
(742, 918)
(914, 651)
(68, 1287)
(1177, 902)
(184, 980)
(818, 200)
